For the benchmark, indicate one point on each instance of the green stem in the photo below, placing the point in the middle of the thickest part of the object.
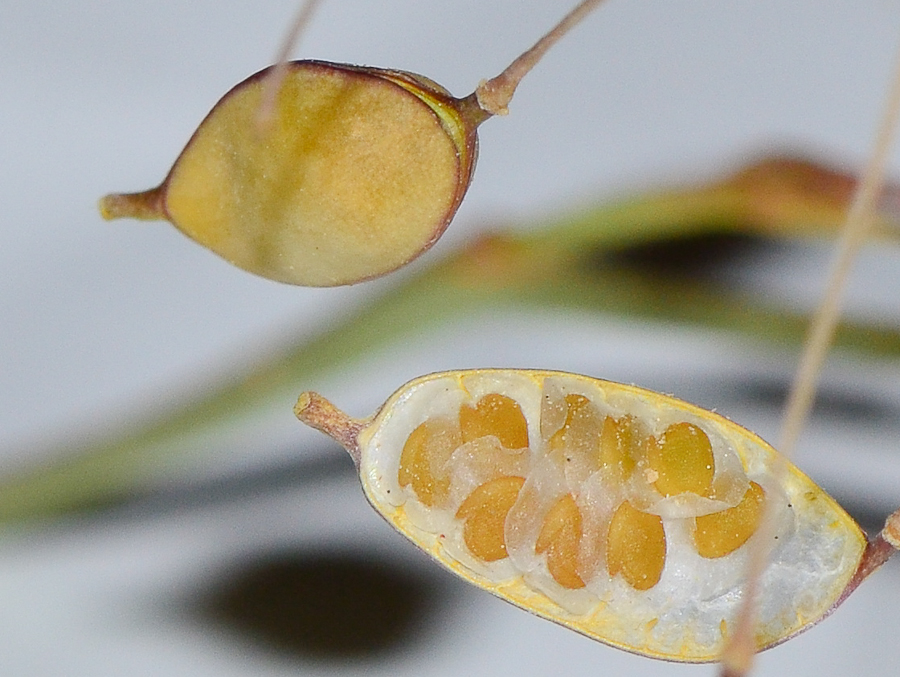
(546, 268)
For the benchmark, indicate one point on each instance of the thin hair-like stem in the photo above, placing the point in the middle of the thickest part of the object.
(737, 658)
(276, 77)
(859, 220)
(495, 94)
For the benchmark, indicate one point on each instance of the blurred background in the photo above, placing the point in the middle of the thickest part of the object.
(251, 550)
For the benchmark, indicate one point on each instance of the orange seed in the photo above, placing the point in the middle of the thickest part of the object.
(426, 451)
(580, 433)
(560, 538)
(496, 415)
(636, 547)
(683, 459)
(484, 512)
(721, 533)
(619, 442)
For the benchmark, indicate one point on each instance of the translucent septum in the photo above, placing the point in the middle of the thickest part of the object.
(623, 514)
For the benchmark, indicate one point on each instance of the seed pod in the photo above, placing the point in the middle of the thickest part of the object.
(359, 171)
(599, 523)
(355, 171)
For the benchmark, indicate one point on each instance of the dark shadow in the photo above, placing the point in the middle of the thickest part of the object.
(700, 256)
(328, 606)
(841, 405)
(333, 602)
(726, 393)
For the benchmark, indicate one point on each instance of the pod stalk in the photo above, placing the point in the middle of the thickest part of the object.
(146, 206)
(495, 94)
(317, 412)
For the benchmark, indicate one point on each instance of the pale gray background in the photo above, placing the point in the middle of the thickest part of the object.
(101, 321)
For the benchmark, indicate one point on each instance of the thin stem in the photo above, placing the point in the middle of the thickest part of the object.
(277, 75)
(495, 94)
(317, 412)
(737, 658)
(860, 218)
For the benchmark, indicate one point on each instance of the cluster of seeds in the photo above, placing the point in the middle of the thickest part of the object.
(623, 514)
(590, 498)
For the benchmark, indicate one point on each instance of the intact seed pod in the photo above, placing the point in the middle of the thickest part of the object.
(360, 171)
(620, 513)
(356, 172)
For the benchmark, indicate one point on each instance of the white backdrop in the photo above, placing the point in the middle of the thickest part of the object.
(100, 321)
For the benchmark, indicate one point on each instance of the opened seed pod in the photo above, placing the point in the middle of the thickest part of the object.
(355, 172)
(625, 515)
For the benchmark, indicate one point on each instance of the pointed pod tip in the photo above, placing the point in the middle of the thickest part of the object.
(108, 206)
(146, 206)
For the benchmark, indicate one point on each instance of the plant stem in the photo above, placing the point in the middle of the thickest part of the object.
(495, 94)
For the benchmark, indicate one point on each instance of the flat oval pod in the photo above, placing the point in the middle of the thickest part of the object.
(585, 526)
(359, 171)
(346, 174)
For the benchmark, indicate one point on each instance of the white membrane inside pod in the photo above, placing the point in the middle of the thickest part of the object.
(684, 616)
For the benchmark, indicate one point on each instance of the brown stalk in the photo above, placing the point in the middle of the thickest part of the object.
(495, 94)
(317, 412)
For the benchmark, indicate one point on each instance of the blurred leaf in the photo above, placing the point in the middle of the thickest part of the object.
(614, 259)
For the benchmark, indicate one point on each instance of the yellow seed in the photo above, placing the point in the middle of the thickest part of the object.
(560, 538)
(496, 415)
(580, 433)
(636, 547)
(723, 532)
(683, 459)
(620, 440)
(484, 512)
(423, 457)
